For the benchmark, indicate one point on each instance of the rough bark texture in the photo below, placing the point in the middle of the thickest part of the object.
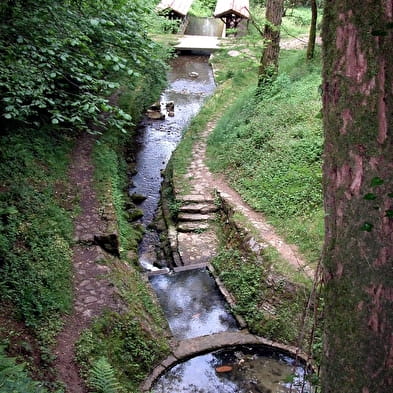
(313, 30)
(358, 186)
(269, 62)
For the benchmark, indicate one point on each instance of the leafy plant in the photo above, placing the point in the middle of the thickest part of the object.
(102, 377)
(14, 378)
(63, 60)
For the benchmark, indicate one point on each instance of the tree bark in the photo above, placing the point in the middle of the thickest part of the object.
(269, 62)
(313, 30)
(358, 187)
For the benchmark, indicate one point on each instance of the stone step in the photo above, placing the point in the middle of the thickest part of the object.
(192, 226)
(198, 208)
(194, 217)
(197, 198)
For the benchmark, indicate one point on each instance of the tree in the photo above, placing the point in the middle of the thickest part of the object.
(269, 62)
(313, 30)
(358, 188)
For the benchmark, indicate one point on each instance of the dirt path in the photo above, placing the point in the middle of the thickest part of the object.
(92, 292)
(204, 183)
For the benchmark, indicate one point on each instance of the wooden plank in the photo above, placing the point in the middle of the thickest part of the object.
(181, 7)
(237, 7)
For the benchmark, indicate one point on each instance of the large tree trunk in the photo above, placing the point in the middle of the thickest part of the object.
(358, 186)
(269, 62)
(313, 30)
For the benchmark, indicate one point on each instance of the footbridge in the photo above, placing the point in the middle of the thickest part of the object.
(198, 43)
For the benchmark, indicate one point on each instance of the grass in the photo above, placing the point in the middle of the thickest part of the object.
(269, 147)
(269, 303)
(36, 212)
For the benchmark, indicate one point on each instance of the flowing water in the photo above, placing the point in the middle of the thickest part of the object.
(205, 26)
(190, 299)
(191, 81)
(192, 304)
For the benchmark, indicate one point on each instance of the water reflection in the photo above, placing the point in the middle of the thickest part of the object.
(192, 304)
(252, 370)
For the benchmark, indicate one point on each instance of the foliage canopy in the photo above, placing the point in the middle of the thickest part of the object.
(63, 59)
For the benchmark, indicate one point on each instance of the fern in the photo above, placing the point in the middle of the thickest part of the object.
(102, 377)
(14, 378)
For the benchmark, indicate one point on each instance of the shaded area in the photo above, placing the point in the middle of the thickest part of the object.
(192, 304)
(242, 369)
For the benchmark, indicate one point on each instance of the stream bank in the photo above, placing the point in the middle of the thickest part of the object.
(200, 225)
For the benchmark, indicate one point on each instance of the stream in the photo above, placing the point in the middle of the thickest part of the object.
(190, 299)
(191, 81)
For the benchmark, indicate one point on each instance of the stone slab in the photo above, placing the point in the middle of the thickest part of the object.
(192, 226)
(196, 198)
(198, 208)
(194, 217)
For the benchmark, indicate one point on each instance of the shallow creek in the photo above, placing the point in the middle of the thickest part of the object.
(191, 81)
(191, 299)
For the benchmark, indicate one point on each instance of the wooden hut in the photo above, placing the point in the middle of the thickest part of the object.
(177, 9)
(232, 12)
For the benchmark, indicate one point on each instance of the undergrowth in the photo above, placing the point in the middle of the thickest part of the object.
(111, 183)
(15, 379)
(35, 225)
(269, 303)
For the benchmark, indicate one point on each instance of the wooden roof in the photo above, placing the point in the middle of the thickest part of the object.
(181, 7)
(237, 7)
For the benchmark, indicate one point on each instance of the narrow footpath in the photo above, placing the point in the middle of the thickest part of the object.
(200, 246)
(92, 292)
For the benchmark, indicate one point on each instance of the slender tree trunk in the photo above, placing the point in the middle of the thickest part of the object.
(358, 187)
(313, 30)
(269, 62)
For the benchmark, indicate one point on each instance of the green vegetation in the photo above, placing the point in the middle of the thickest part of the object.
(132, 342)
(202, 8)
(36, 210)
(270, 304)
(68, 67)
(111, 182)
(14, 378)
(64, 59)
(269, 145)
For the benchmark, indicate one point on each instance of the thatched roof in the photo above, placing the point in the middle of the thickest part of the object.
(180, 7)
(237, 7)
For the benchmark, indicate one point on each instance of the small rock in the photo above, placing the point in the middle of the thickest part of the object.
(233, 53)
(138, 198)
(170, 106)
(90, 299)
(193, 74)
